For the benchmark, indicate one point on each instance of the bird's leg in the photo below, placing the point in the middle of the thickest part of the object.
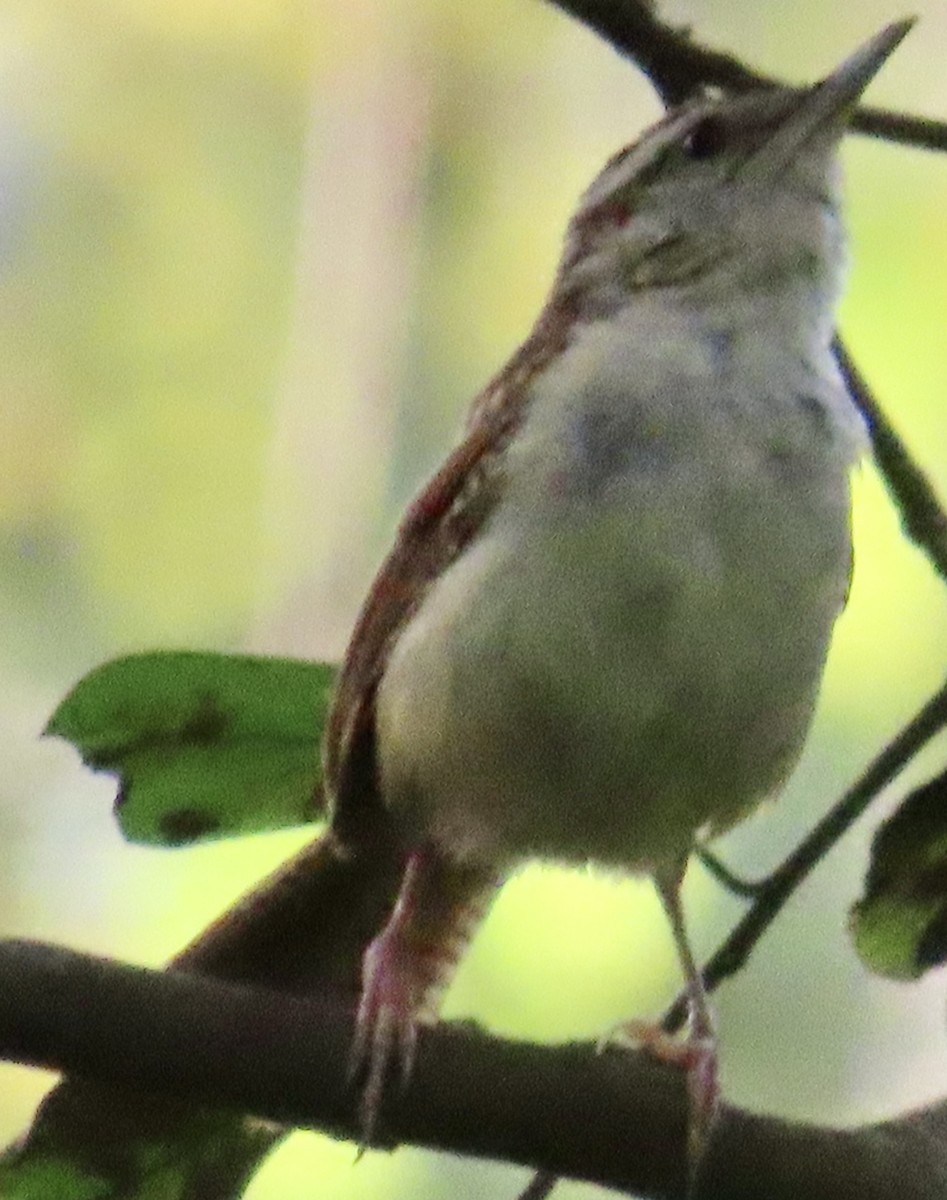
(698, 1053)
(409, 964)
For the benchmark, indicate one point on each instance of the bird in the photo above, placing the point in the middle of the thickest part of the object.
(602, 626)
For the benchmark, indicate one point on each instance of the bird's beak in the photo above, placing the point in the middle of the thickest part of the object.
(824, 108)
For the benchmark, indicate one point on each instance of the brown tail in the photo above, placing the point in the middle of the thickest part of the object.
(305, 928)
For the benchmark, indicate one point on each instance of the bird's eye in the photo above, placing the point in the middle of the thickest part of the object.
(706, 139)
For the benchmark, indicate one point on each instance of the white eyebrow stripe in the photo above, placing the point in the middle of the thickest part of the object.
(634, 159)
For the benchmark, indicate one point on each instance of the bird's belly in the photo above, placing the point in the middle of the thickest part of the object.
(604, 677)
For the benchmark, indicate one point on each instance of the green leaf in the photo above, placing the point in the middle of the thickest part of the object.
(47, 1177)
(900, 924)
(205, 745)
(150, 1152)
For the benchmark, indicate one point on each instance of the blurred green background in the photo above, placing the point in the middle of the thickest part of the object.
(255, 256)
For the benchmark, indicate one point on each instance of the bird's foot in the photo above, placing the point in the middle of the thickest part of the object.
(386, 1026)
(406, 967)
(696, 1054)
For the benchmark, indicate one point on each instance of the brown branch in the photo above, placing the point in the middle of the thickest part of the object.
(616, 1118)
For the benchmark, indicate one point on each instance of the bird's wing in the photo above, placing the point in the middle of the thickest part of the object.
(436, 528)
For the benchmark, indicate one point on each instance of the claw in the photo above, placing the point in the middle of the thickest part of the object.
(703, 1091)
(386, 1027)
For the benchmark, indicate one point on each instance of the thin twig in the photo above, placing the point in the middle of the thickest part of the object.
(540, 1186)
(923, 518)
(675, 66)
(923, 132)
(745, 888)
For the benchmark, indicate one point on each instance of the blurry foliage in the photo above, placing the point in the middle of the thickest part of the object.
(255, 255)
(144, 299)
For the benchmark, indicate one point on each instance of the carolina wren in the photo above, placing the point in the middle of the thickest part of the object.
(603, 623)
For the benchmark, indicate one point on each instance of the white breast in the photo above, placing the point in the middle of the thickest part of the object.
(632, 646)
